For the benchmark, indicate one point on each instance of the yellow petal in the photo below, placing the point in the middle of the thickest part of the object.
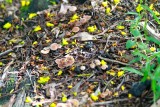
(43, 80)
(32, 15)
(103, 62)
(64, 42)
(52, 105)
(104, 4)
(94, 97)
(28, 99)
(108, 11)
(119, 27)
(122, 88)
(37, 28)
(23, 3)
(92, 28)
(116, 1)
(48, 24)
(64, 99)
(139, 8)
(7, 25)
(153, 49)
(75, 17)
(120, 73)
(123, 33)
(60, 72)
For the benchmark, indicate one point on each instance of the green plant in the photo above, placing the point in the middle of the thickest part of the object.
(148, 60)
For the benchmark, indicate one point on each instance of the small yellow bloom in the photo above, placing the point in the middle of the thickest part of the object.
(60, 72)
(116, 1)
(34, 43)
(139, 8)
(64, 99)
(75, 17)
(43, 80)
(156, 13)
(32, 15)
(92, 28)
(129, 95)
(64, 42)
(120, 73)
(70, 86)
(1, 63)
(103, 62)
(122, 87)
(7, 25)
(123, 33)
(23, 3)
(28, 99)
(37, 28)
(94, 97)
(48, 24)
(52, 105)
(116, 94)
(74, 42)
(27, 2)
(104, 4)
(112, 82)
(151, 6)
(75, 94)
(112, 73)
(119, 27)
(153, 49)
(108, 11)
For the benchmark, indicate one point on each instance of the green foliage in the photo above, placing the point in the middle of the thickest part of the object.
(150, 68)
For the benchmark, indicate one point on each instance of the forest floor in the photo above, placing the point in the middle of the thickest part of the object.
(72, 55)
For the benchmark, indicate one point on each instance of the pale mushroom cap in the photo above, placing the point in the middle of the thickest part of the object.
(97, 62)
(55, 46)
(104, 67)
(75, 29)
(45, 50)
(92, 65)
(83, 68)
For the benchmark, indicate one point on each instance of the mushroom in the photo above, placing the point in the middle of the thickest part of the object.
(55, 46)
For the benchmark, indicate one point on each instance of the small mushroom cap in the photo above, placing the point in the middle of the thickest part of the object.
(83, 68)
(55, 46)
(97, 62)
(103, 67)
(92, 65)
(75, 29)
(45, 50)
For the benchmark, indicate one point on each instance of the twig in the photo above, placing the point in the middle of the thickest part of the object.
(111, 60)
(10, 50)
(108, 102)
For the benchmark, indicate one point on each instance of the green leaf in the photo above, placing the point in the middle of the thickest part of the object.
(130, 43)
(152, 39)
(135, 32)
(139, 54)
(130, 69)
(142, 45)
(154, 16)
(136, 59)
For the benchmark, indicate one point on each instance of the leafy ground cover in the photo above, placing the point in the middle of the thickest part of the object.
(95, 54)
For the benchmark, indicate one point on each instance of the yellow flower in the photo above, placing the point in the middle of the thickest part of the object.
(139, 8)
(151, 6)
(156, 13)
(111, 73)
(108, 11)
(37, 28)
(104, 4)
(32, 15)
(52, 105)
(28, 99)
(112, 82)
(116, 1)
(70, 86)
(64, 99)
(75, 17)
(119, 27)
(123, 33)
(92, 28)
(1, 63)
(103, 62)
(7, 25)
(75, 93)
(25, 3)
(122, 88)
(94, 97)
(60, 72)
(34, 43)
(129, 95)
(120, 73)
(64, 42)
(153, 49)
(43, 80)
(116, 94)
(48, 24)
